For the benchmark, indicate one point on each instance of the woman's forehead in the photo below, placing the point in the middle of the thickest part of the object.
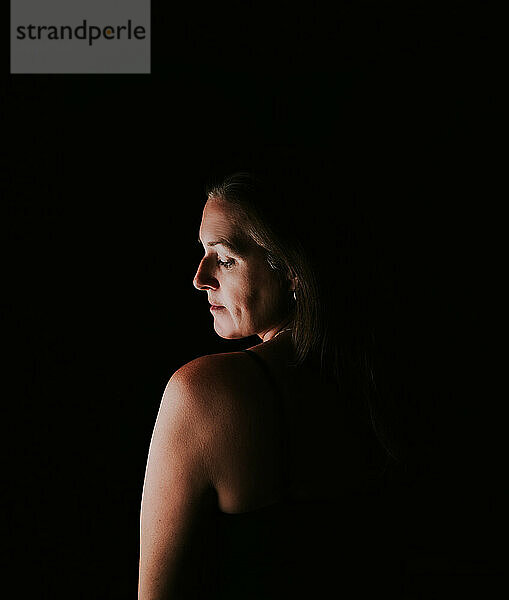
(221, 219)
(222, 224)
(218, 219)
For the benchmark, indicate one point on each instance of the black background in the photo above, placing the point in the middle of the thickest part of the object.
(104, 184)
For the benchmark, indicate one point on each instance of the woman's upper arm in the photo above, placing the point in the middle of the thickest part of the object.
(176, 488)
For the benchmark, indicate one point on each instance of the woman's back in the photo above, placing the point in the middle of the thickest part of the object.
(316, 515)
(324, 444)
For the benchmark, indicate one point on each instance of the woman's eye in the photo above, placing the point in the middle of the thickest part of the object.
(227, 264)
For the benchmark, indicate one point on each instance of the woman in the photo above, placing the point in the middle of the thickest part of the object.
(260, 459)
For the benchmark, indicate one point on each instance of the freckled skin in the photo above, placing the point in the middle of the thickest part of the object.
(249, 289)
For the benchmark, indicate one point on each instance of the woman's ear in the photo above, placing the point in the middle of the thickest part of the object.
(294, 283)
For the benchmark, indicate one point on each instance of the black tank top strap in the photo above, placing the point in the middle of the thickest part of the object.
(268, 373)
(280, 408)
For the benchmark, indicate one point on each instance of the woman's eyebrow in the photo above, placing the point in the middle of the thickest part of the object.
(233, 246)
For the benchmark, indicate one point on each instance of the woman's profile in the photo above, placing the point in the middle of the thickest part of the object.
(262, 474)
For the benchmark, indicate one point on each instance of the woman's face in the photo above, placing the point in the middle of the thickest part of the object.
(245, 294)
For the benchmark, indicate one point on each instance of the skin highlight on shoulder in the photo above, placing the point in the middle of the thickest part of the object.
(209, 387)
(212, 372)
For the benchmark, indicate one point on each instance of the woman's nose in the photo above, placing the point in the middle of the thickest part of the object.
(204, 280)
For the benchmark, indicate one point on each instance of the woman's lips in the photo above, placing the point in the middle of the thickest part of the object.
(215, 307)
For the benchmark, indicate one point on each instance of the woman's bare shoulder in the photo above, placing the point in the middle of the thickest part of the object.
(209, 381)
(218, 369)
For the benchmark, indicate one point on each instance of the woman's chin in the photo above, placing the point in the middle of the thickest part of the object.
(228, 334)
